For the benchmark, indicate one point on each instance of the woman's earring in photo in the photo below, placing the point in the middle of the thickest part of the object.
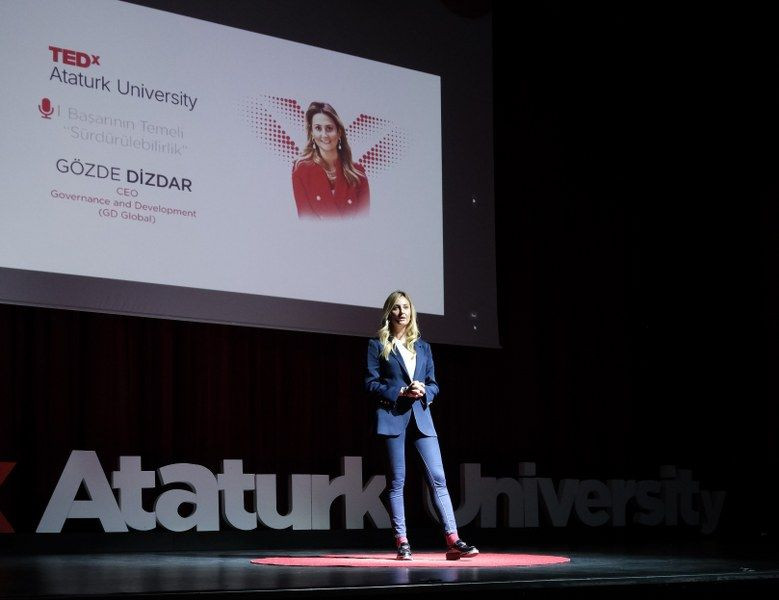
(339, 143)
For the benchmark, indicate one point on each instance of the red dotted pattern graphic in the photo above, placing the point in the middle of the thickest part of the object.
(376, 143)
(266, 126)
(390, 148)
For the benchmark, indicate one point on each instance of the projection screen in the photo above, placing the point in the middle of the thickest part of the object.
(163, 168)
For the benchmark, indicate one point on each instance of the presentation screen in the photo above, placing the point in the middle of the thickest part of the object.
(178, 168)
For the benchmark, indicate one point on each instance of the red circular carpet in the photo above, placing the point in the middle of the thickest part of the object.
(421, 559)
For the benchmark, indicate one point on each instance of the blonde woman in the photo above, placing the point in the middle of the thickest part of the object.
(326, 182)
(400, 377)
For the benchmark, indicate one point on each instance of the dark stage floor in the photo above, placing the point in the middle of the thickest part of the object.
(613, 572)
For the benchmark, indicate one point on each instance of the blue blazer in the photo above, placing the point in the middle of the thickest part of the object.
(383, 380)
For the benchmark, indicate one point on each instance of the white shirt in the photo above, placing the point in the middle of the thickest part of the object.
(409, 359)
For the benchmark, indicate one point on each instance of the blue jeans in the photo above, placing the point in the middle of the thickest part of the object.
(433, 468)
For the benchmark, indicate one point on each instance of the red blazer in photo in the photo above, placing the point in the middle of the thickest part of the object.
(314, 198)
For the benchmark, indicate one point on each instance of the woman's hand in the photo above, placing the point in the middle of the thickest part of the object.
(416, 389)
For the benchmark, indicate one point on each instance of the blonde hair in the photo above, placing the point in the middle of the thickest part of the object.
(384, 333)
(311, 151)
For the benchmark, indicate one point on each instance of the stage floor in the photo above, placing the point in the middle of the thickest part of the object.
(590, 573)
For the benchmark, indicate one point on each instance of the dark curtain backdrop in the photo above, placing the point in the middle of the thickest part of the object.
(637, 254)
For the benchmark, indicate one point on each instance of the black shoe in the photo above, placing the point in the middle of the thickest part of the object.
(460, 550)
(404, 551)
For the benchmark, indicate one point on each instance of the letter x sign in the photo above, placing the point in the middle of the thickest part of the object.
(5, 468)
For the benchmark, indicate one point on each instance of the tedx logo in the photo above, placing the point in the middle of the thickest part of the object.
(74, 58)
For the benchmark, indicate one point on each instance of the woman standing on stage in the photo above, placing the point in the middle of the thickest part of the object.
(400, 377)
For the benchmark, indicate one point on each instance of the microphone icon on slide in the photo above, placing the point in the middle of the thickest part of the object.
(45, 108)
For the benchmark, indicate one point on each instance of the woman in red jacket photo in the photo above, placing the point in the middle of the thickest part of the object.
(325, 180)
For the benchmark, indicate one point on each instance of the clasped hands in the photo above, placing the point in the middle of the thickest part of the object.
(415, 390)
